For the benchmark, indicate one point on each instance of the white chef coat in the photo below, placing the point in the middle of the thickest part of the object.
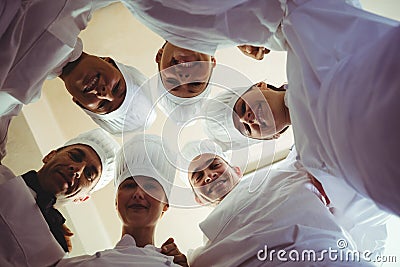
(359, 216)
(318, 35)
(282, 213)
(125, 253)
(26, 239)
(40, 39)
(32, 244)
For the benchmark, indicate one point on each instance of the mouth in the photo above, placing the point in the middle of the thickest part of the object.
(65, 182)
(137, 206)
(260, 116)
(90, 82)
(216, 186)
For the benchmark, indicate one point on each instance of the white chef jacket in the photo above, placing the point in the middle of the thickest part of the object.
(359, 216)
(38, 38)
(125, 253)
(318, 35)
(282, 213)
(41, 38)
(26, 239)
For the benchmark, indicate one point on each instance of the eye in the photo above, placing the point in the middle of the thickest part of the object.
(196, 84)
(102, 105)
(90, 175)
(149, 186)
(197, 177)
(215, 165)
(75, 156)
(116, 88)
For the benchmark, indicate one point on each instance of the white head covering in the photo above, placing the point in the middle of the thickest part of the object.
(106, 148)
(146, 155)
(219, 125)
(136, 111)
(180, 109)
(196, 148)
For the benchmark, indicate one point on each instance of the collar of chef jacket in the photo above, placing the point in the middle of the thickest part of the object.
(128, 241)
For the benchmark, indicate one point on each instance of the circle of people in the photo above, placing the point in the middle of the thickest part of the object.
(341, 101)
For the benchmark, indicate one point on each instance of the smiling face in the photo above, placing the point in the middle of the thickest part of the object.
(184, 73)
(70, 172)
(260, 113)
(212, 178)
(140, 202)
(96, 84)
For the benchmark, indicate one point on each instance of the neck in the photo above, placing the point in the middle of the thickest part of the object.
(143, 235)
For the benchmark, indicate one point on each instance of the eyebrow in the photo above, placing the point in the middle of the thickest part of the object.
(203, 166)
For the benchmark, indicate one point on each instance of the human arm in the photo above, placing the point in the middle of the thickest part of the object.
(256, 52)
(169, 248)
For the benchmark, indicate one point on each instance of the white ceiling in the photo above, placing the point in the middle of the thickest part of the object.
(54, 119)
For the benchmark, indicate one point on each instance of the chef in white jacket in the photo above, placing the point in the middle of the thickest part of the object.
(41, 41)
(258, 215)
(144, 178)
(70, 173)
(320, 38)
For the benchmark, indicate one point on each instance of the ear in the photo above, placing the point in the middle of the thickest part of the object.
(107, 59)
(165, 208)
(213, 61)
(238, 171)
(159, 55)
(49, 156)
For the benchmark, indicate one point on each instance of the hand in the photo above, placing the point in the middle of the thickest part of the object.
(67, 235)
(255, 52)
(169, 248)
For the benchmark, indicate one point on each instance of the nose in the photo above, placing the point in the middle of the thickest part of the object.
(76, 171)
(211, 176)
(138, 193)
(105, 92)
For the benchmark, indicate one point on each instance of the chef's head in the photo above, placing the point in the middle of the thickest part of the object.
(210, 175)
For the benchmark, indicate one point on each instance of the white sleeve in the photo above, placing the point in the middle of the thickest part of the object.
(26, 239)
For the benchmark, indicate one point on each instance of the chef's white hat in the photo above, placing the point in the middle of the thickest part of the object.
(106, 148)
(180, 109)
(219, 125)
(146, 155)
(196, 148)
(136, 111)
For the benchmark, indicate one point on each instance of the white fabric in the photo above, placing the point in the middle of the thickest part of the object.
(136, 111)
(22, 243)
(180, 109)
(106, 148)
(34, 245)
(219, 125)
(40, 38)
(281, 213)
(318, 35)
(125, 253)
(218, 23)
(359, 216)
(149, 156)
